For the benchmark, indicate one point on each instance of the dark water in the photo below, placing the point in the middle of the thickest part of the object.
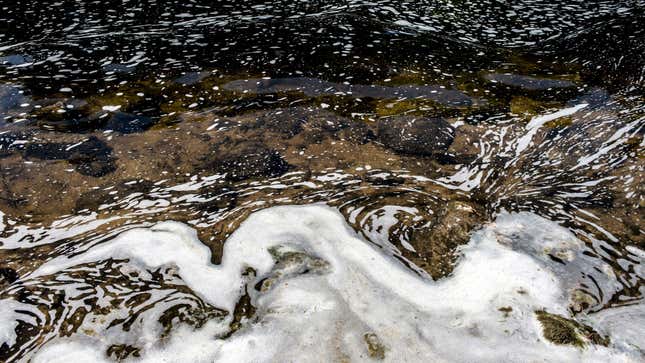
(420, 121)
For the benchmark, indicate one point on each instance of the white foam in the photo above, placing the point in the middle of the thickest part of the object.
(2, 223)
(536, 122)
(313, 317)
(9, 318)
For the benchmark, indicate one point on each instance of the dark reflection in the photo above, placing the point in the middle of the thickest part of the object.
(58, 50)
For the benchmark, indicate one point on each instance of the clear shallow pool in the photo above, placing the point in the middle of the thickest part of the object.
(450, 142)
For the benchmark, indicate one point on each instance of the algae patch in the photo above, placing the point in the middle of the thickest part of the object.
(374, 346)
(563, 331)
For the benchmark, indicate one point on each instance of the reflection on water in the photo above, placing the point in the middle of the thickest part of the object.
(420, 122)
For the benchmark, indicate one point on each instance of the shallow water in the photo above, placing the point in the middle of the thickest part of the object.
(475, 169)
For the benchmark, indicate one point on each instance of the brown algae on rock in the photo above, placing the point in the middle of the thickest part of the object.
(375, 348)
(563, 331)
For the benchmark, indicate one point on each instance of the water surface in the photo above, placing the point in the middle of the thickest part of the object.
(440, 140)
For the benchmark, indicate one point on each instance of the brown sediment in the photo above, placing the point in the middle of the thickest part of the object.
(436, 243)
(123, 351)
(49, 185)
(528, 107)
(244, 308)
(43, 181)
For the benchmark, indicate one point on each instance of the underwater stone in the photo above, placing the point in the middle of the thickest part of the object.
(11, 100)
(314, 87)
(91, 157)
(191, 78)
(15, 59)
(247, 160)
(527, 82)
(416, 135)
(8, 276)
(126, 123)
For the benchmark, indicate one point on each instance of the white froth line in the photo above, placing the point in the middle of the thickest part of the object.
(538, 121)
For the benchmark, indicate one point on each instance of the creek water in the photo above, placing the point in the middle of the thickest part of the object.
(322, 181)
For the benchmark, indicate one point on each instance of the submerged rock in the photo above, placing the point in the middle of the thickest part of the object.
(191, 78)
(416, 135)
(12, 101)
(91, 157)
(11, 142)
(527, 82)
(118, 68)
(314, 87)
(247, 160)
(15, 59)
(7, 276)
(66, 115)
(374, 346)
(126, 123)
(287, 122)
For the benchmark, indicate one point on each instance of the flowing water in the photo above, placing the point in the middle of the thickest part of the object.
(284, 181)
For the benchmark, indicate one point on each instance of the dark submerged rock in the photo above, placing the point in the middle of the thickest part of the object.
(11, 142)
(416, 135)
(247, 160)
(126, 123)
(74, 120)
(191, 78)
(314, 87)
(117, 68)
(91, 157)
(529, 83)
(436, 245)
(286, 122)
(8, 276)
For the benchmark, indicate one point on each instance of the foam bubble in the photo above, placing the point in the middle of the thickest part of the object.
(325, 294)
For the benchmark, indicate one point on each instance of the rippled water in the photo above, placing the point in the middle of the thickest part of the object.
(473, 175)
